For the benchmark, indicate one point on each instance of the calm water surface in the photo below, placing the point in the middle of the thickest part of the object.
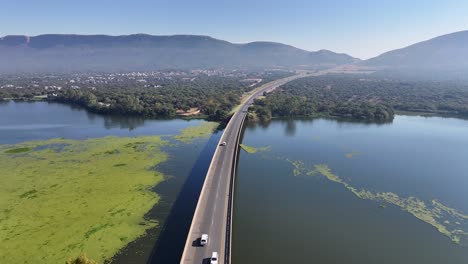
(40, 120)
(283, 218)
(185, 169)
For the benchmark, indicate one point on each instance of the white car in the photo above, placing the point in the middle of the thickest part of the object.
(223, 143)
(204, 240)
(214, 258)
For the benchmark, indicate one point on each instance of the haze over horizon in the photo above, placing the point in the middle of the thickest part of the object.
(360, 28)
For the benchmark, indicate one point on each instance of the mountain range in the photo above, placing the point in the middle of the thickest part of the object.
(447, 54)
(67, 53)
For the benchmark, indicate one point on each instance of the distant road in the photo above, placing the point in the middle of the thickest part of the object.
(213, 213)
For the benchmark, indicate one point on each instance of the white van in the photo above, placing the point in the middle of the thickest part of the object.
(214, 258)
(204, 240)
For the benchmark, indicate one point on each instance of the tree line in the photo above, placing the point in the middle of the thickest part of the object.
(214, 96)
(362, 98)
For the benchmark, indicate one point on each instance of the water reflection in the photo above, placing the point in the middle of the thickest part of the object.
(23, 121)
(123, 122)
(290, 125)
(290, 128)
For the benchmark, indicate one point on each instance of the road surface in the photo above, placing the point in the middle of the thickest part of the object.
(213, 213)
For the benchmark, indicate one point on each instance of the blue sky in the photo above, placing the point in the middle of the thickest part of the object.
(361, 28)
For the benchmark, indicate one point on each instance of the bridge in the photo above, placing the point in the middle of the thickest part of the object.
(213, 214)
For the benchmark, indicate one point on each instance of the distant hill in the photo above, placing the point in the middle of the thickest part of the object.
(446, 55)
(68, 53)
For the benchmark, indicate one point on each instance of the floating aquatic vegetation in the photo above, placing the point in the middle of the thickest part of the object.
(81, 259)
(253, 150)
(85, 196)
(448, 210)
(204, 129)
(446, 220)
(299, 167)
(352, 154)
(17, 150)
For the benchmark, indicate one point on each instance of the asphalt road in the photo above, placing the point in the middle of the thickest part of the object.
(212, 215)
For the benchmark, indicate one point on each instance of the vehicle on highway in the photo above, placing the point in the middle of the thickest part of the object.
(223, 143)
(214, 258)
(204, 240)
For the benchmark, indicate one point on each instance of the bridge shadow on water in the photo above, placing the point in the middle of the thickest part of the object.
(175, 209)
(170, 244)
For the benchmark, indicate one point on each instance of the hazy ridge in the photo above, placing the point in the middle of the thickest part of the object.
(67, 53)
(444, 56)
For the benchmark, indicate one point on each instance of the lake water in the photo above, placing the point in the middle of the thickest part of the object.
(283, 215)
(26, 121)
(186, 167)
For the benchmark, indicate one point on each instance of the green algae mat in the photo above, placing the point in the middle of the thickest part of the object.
(203, 130)
(253, 150)
(60, 198)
